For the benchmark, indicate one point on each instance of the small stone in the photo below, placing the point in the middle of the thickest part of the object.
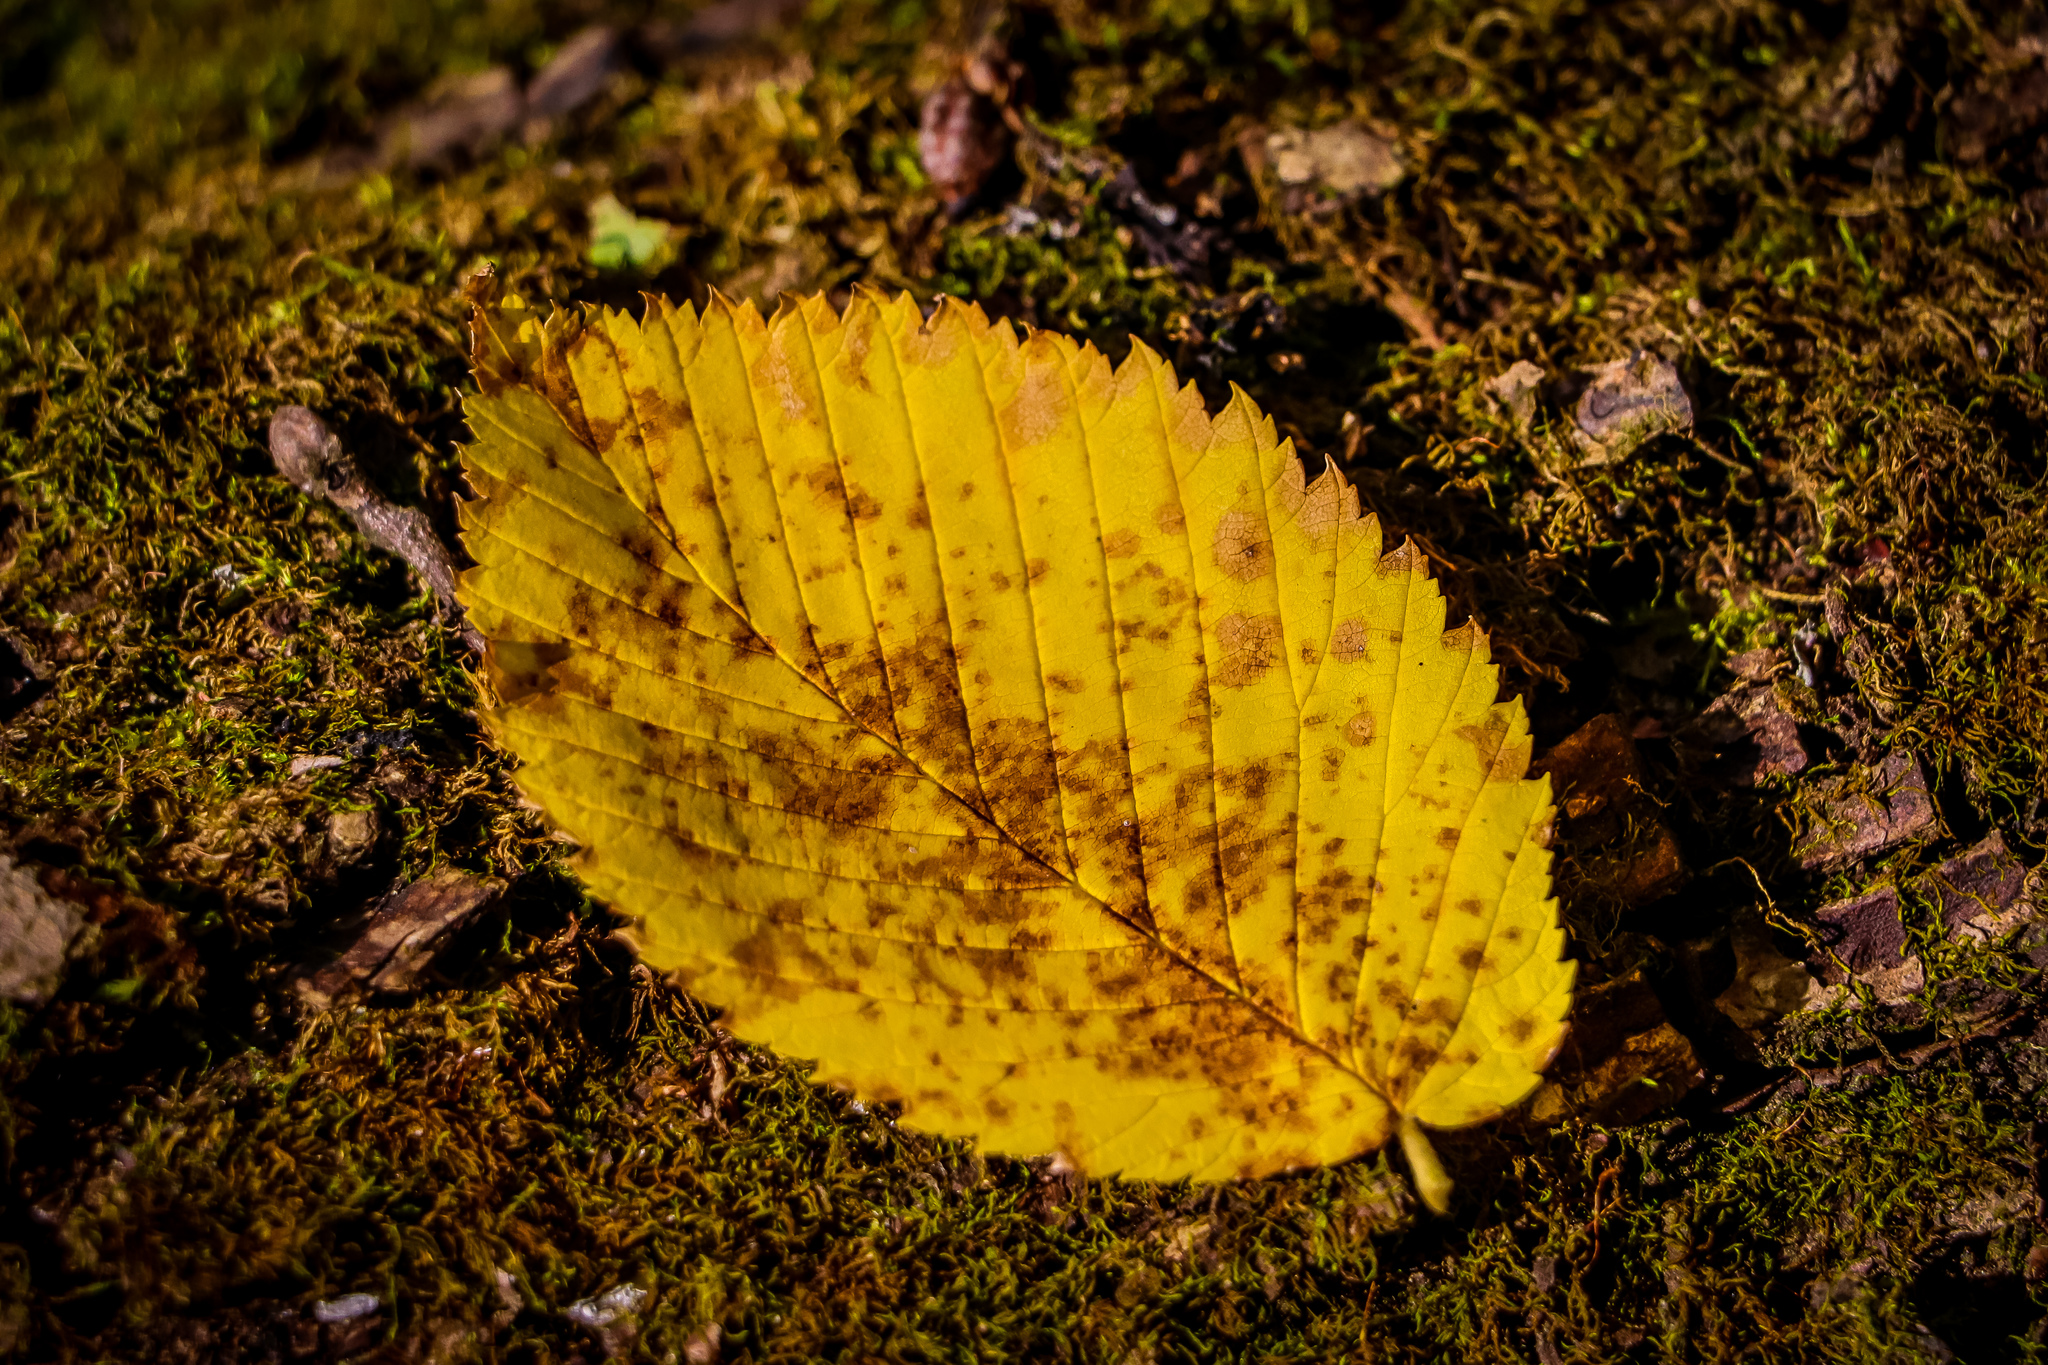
(703, 1346)
(509, 1297)
(1864, 939)
(1627, 403)
(961, 139)
(1984, 893)
(346, 1308)
(36, 933)
(604, 1310)
(1868, 813)
(1543, 1273)
(313, 763)
(1344, 158)
(351, 836)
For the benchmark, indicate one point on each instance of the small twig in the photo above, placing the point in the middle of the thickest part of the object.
(1718, 457)
(1881, 1062)
(311, 456)
(1607, 1176)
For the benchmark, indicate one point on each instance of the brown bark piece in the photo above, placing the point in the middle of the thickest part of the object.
(1752, 733)
(1622, 1060)
(1984, 892)
(1618, 843)
(1864, 939)
(402, 937)
(1868, 813)
(1628, 402)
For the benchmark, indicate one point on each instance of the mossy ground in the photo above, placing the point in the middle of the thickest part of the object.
(1827, 217)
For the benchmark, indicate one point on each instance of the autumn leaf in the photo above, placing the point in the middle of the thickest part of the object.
(1010, 735)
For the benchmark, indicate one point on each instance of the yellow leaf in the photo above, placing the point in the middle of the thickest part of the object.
(1004, 731)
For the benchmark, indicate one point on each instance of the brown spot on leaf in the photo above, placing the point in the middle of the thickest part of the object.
(863, 505)
(1250, 647)
(1347, 641)
(1244, 548)
(1035, 412)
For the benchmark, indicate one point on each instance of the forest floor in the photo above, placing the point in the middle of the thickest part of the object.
(1775, 589)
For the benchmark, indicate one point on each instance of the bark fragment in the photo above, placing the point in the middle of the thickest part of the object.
(1622, 1060)
(1866, 813)
(1768, 985)
(1619, 845)
(402, 937)
(1863, 939)
(1751, 735)
(311, 456)
(1984, 892)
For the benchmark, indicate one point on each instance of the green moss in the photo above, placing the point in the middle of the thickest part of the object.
(1856, 315)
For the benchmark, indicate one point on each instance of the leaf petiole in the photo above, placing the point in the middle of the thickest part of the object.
(1431, 1181)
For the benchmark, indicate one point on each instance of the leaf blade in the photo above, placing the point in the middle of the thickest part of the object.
(1042, 752)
